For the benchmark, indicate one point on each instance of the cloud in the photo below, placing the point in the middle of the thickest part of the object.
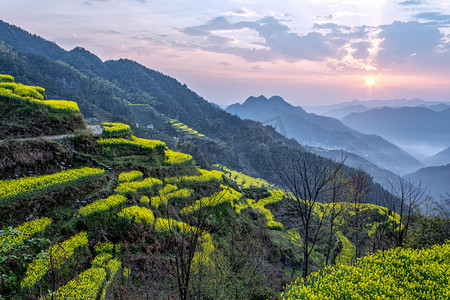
(276, 41)
(326, 18)
(218, 23)
(225, 63)
(335, 30)
(241, 12)
(362, 51)
(437, 17)
(413, 45)
(412, 2)
(218, 40)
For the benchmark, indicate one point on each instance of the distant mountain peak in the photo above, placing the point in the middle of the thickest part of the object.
(255, 100)
(80, 51)
(277, 99)
(274, 100)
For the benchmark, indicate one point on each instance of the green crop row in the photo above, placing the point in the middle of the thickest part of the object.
(130, 176)
(28, 186)
(22, 232)
(227, 194)
(116, 130)
(145, 186)
(241, 179)
(142, 146)
(140, 215)
(16, 92)
(53, 259)
(175, 158)
(102, 205)
(207, 176)
(180, 127)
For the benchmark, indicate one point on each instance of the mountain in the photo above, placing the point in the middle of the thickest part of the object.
(325, 132)
(437, 179)
(380, 175)
(439, 159)
(146, 99)
(439, 107)
(373, 104)
(419, 130)
(339, 113)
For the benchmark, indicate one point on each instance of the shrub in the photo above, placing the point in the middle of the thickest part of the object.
(104, 247)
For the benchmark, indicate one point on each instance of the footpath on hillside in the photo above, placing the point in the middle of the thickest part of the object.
(94, 129)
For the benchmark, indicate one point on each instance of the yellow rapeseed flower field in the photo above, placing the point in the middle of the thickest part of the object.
(102, 205)
(393, 274)
(28, 186)
(24, 231)
(54, 258)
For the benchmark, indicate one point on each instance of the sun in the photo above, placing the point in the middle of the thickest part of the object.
(370, 81)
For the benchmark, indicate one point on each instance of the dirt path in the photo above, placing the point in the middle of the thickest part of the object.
(95, 130)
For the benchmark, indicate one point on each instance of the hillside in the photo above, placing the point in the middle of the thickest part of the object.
(101, 207)
(382, 176)
(128, 92)
(417, 129)
(439, 159)
(96, 216)
(437, 179)
(339, 113)
(326, 132)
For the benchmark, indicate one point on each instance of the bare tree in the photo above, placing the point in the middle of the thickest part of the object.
(336, 198)
(360, 186)
(187, 241)
(403, 199)
(306, 177)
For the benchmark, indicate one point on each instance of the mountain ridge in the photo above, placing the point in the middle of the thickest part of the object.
(374, 104)
(325, 132)
(408, 127)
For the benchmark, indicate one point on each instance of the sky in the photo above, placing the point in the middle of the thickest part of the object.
(310, 52)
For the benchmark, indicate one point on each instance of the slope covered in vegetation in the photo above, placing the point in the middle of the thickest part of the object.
(118, 216)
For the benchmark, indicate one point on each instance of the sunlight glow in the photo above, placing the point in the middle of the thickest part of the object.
(370, 81)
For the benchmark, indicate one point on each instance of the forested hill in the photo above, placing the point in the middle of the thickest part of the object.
(111, 90)
(128, 80)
